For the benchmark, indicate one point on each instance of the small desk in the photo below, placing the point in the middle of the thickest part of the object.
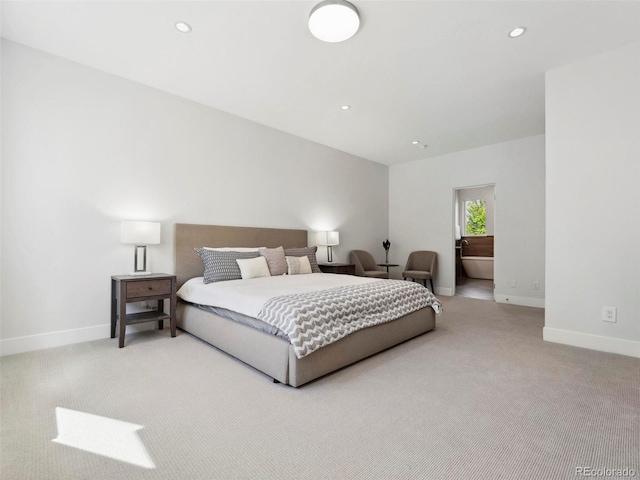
(388, 265)
(142, 288)
(335, 267)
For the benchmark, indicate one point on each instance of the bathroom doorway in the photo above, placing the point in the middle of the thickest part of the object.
(474, 224)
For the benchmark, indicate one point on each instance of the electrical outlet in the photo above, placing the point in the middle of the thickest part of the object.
(514, 283)
(609, 314)
(536, 285)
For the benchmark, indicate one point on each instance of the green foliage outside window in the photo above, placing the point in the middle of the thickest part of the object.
(476, 217)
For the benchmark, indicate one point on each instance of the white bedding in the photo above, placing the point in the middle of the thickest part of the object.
(248, 296)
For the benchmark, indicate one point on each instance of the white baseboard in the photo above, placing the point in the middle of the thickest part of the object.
(10, 346)
(593, 342)
(522, 301)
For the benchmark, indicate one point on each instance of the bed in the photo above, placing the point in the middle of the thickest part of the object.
(274, 355)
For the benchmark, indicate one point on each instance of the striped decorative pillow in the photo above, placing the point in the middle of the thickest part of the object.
(310, 252)
(221, 266)
(298, 265)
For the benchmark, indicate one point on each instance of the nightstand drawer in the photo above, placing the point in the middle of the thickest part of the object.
(340, 268)
(148, 288)
(345, 269)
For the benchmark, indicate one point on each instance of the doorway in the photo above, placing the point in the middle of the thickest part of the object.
(474, 227)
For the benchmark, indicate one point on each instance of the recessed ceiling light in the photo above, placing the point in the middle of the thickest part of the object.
(345, 107)
(516, 32)
(183, 27)
(334, 21)
(415, 142)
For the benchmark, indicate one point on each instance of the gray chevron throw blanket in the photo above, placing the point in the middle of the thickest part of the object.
(313, 320)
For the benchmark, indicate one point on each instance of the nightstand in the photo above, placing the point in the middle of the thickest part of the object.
(342, 268)
(136, 288)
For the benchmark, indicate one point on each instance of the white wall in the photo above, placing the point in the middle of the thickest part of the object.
(593, 200)
(1, 183)
(83, 150)
(421, 213)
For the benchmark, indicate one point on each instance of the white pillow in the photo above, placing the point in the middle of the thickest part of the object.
(298, 265)
(253, 267)
(233, 249)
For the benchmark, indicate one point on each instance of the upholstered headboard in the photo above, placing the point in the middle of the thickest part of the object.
(189, 236)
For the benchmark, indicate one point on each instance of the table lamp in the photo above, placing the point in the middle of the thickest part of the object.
(140, 234)
(330, 239)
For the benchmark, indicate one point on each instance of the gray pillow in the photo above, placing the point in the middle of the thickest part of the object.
(221, 266)
(309, 252)
(275, 260)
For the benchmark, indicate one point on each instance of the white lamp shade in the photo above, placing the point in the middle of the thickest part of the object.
(330, 238)
(140, 233)
(334, 21)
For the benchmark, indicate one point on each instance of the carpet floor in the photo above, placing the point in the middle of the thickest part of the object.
(482, 396)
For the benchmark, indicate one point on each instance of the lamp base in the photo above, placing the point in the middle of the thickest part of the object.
(329, 254)
(139, 273)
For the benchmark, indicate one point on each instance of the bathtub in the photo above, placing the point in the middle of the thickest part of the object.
(478, 267)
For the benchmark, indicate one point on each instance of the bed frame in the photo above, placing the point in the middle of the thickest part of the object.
(272, 355)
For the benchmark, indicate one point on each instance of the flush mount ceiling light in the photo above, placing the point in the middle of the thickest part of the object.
(183, 27)
(516, 32)
(334, 21)
(345, 107)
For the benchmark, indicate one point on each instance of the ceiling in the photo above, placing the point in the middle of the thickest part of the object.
(443, 73)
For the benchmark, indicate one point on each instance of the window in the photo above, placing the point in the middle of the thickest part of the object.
(475, 217)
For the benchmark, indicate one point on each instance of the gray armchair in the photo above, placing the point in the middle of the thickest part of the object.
(365, 265)
(421, 265)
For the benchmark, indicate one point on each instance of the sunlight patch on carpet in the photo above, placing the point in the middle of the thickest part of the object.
(103, 436)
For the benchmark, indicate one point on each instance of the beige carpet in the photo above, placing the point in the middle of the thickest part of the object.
(481, 397)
